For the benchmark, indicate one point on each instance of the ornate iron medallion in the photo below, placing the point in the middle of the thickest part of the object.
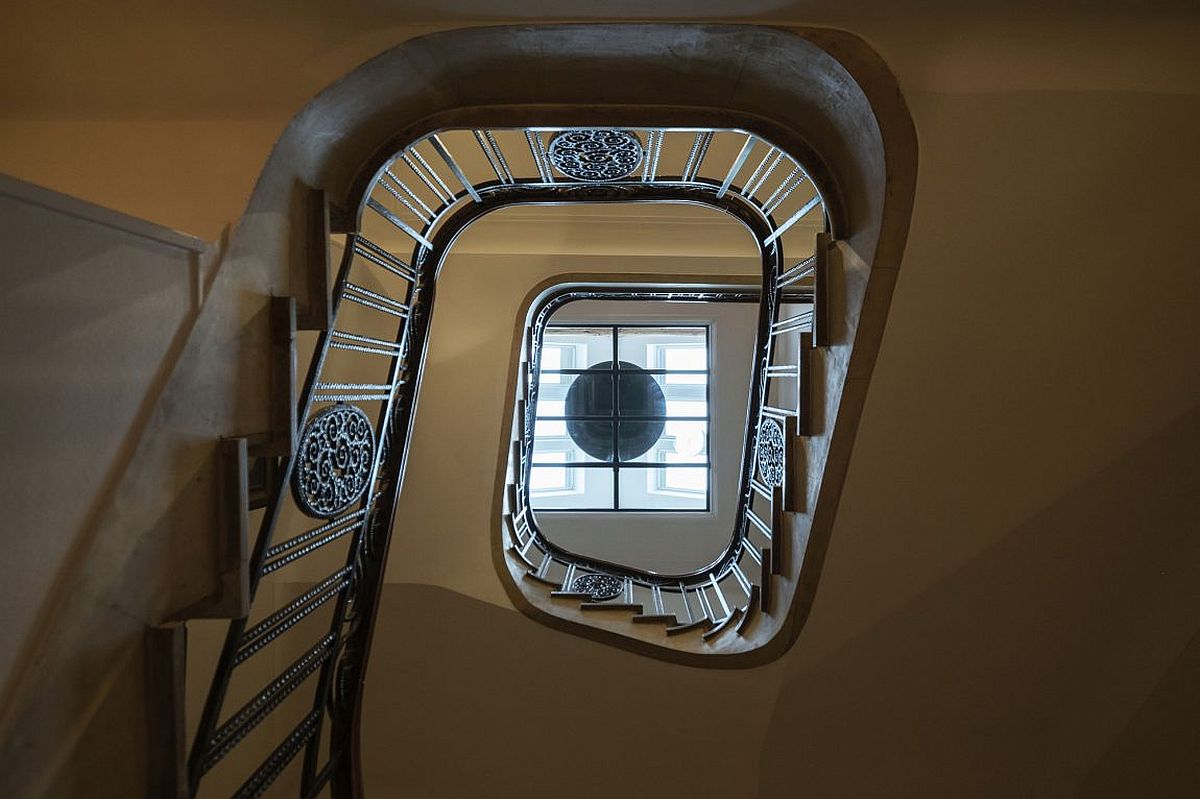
(600, 586)
(337, 450)
(595, 154)
(770, 452)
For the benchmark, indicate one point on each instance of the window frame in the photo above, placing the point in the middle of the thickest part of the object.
(616, 464)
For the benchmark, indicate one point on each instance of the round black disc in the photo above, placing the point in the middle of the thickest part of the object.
(638, 395)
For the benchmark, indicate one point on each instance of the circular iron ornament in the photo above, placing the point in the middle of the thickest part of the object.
(337, 450)
(595, 154)
(770, 452)
(638, 394)
(599, 586)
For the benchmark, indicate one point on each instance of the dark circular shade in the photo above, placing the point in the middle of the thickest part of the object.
(638, 394)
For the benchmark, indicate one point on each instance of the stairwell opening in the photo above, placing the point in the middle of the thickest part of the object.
(838, 114)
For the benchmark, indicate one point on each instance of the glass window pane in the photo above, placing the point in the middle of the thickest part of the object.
(678, 442)
(550, 407)
(684, 399)
(694, 480)
(685, 356)
(575, 418)
(647, 347)
(648, 489)
(570, 489)
(580, 442)
(550, 429)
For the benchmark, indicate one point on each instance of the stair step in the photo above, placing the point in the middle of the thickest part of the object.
(656, 618)
(698, 624)
(626, 606)
(533, 575)
(804, 421)
(750, 611)
(516, 552)
(764, 594)
(820, 321)
(723, 624)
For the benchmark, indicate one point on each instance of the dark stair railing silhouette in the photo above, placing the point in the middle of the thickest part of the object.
(334, 497)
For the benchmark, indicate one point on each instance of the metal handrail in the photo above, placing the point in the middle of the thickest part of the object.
(353, 591)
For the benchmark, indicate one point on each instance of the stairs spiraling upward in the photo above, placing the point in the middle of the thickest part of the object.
(326, 511)
(731, 598)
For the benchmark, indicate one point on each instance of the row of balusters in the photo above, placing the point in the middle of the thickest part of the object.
(729, 597)
(361, 360)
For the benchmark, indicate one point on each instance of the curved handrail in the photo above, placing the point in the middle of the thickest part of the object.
(338, 659)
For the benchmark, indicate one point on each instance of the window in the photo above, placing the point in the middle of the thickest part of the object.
(628, 433)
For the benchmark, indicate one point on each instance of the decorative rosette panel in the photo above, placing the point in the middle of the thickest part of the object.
(337, 451)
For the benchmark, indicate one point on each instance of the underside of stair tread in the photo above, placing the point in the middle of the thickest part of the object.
(698, 624)
(626, 606)
(723, 624)
(656, 618)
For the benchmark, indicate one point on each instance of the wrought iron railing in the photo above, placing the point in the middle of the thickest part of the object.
(727, 593)
(286, 694)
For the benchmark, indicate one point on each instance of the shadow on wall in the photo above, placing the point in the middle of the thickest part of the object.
(1158, 752)
(1015, 675)
(467, 699)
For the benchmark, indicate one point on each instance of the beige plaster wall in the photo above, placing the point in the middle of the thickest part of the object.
(445, 516)
(1009, 602)
(169, 113)
(94, 310)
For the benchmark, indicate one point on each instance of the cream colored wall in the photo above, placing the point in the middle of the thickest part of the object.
(169, 114)
(1009, 601)
(94, 310)
(1014, 568)
(445, 517)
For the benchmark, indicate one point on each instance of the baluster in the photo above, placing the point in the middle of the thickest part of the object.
(373, 253)
(538, 149)
(704, 604)
(341, 340)
(804, 211)
(441, 190)
(740, 577)
(399, 223)
(719, 594)
(425, 215)
(737, 167)
(753, 186)
(789, 184)
(427, 212)
(687, 606)
(455, 168)
(696, 156)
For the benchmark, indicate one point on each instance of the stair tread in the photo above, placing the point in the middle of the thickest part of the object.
(724, 623)
(688, 626)
(637, 608)
(656, 618)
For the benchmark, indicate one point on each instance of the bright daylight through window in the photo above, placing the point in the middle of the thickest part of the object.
(623, 433)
